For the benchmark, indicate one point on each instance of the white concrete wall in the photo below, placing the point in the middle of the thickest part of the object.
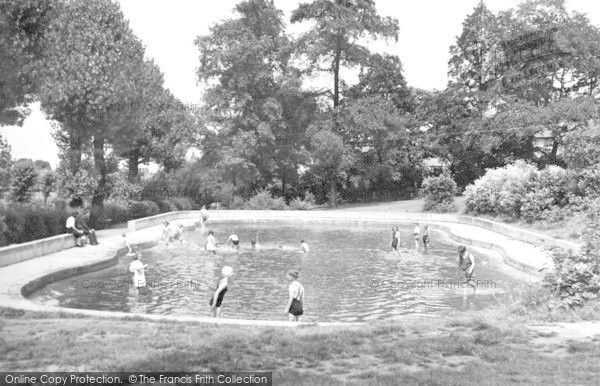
(16, 253)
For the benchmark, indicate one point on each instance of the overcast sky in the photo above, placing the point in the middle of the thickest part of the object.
(168, 28)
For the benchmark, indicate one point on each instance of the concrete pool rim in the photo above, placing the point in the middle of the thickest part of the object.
(439, 222)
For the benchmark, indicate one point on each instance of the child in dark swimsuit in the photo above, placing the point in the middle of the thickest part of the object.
(466, 263)
(295, 305)
(395, 240)
(426, 237)
(217, 299)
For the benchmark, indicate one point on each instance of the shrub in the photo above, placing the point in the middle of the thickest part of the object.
(575, 278)
(15, 225)
(307, 203)
(519, 190)
(237, 202)
(122, 189)
(165, 206)
(157, 187)
(501, 190)
(181, 203)
(24, 179)
(263, 200)
(439, 193)
(117, 212)
(140, 209)
(589, 183)
(24, 223)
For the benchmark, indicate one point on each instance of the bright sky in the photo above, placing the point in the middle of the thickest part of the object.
(168, 28)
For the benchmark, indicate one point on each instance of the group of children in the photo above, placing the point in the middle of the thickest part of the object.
(295, 304)
(417, 236)
(172, 232)
(211, 244)
(466, 260)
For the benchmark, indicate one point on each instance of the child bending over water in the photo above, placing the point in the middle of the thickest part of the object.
(217, 299)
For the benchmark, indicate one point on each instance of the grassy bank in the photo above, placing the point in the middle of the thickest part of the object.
(483, 348)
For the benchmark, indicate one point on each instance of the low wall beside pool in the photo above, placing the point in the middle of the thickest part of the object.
(16, 253)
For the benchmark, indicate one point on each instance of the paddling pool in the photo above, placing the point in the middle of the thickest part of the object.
(349, 275)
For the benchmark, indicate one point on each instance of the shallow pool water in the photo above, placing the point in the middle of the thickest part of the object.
(349, 275)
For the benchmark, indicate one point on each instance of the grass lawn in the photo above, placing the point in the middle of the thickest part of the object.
(480, 349)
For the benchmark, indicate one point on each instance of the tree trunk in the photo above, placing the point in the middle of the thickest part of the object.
(553, 154)
(332, 199)
(97, 215)
(74, 153)
(133, 164)
(283, 188)
(336, 77)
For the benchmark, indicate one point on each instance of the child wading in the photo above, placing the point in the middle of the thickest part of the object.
(295, 306)
(395, 240)
(466, 263)
(137, 268)
(417, 236)
(211, 243)
(217, 299)
(426, 237)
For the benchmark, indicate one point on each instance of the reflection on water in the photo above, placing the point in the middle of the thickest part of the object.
(350, 274)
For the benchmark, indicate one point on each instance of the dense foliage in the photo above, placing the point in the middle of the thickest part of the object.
(439, 192)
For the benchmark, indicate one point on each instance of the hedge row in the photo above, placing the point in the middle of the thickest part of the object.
(22, 223)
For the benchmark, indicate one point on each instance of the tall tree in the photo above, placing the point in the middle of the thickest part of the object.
(251, 95)
(338, 33)
(22, 26)
(475, 56)
(6, 163)
(90, 69)
(331, 157)
(163, 130)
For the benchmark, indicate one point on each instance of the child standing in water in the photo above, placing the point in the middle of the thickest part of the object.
(304, 246)
(211, 243)
(417, 236)
(203, 216)
(137, 268)
(217, 299)
(395, 240)
(466, 264)
(426, 237)
(295, 305)
(126, 242)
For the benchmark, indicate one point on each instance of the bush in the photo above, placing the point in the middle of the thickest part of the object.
(140, 209)
(23, 182)
(180, 203)
(575, 278)
(117, 212)
(157, 187)
(439, 193)
(165, 206)
(24, 223)
(589, 183)
(307, 203)
(263, 200)
(501, 190)
(519, 190)
(237, 202)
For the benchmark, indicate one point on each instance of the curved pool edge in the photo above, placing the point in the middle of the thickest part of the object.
(14, 289)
